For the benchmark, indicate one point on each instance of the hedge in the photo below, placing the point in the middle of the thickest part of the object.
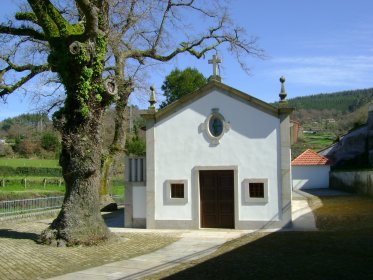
(30, 171)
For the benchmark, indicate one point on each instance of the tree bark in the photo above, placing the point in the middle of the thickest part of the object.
(78, 56)
(80, 220)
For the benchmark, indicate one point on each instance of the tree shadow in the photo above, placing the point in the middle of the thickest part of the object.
(292, 255)
(9, 233)
(343, 251)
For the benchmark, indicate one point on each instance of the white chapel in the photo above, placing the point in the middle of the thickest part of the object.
(216, 158)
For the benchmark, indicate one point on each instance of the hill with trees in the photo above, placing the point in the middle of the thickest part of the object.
(29, 135)
(337, 112)
(344, 101)
(326, 117)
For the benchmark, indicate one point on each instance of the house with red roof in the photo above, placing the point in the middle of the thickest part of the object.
(310, 171)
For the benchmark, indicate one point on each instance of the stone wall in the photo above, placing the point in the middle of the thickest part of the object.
(353, 181)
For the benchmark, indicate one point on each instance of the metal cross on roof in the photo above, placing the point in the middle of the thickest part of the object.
(214, 61)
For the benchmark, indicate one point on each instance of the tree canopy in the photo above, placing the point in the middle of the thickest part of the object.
(181, 82)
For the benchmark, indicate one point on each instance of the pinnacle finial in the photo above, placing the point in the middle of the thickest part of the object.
(152, 99)
(283, 92)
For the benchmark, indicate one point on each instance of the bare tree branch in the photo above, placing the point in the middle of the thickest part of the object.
(27, 16)
(33, 71)
(43, 18)
(25, 31)
(90, 12)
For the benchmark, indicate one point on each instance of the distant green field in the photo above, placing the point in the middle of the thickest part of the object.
(316, 142)
(15, 189)
(19, 162)
(14, 185)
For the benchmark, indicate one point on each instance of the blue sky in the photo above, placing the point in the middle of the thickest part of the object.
(319, 46)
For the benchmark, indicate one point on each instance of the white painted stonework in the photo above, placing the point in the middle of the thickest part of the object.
(139, 202)
(248, 146)
(252, 145)
(310, 176)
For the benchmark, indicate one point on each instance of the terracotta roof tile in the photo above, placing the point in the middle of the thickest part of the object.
(309, 157)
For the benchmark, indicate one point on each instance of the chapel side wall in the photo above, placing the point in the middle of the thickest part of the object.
(285, 176)
(150, 173)
(254, 149)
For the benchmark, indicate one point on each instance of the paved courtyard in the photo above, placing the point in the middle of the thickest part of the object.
(22, 258)
(137, 252)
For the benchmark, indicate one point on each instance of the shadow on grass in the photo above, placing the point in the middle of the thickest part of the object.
(8, 233)
(343, 249)
(292, 255)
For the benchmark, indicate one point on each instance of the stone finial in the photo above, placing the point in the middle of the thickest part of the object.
(215, 62)
(283, 92)
(152, 99)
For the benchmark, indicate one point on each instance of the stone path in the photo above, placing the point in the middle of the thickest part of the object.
(193, 244)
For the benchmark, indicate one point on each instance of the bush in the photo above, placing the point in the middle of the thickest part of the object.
(26, 148)
(6, 150)
(50, 142)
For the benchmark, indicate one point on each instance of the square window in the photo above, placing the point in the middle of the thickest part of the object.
(256, 190)
(177, 190)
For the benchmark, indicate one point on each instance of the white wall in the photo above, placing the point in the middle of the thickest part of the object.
(310, 177)
(251, 144)
(139, 202)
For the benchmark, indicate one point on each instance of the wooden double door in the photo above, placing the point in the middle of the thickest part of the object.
(217, 198)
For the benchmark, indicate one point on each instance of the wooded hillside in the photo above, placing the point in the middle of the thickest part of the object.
(334, 112)
(326, 117)
(344, 101)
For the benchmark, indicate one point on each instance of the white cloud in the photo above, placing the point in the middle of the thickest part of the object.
(349, 71)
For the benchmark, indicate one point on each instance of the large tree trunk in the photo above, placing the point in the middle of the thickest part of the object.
(80, 221)
(79, 59)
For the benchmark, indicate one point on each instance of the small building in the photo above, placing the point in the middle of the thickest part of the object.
(215, 158)
(295, 131)
(310, 171)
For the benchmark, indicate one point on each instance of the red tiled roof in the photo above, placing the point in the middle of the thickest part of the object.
(309, 157)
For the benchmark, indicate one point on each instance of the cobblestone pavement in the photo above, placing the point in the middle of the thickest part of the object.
(22, 258)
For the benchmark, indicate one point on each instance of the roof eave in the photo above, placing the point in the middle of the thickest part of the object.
(263, 106)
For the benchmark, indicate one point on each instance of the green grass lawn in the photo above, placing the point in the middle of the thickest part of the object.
(19, 162)
(342, 249)
(15, 189)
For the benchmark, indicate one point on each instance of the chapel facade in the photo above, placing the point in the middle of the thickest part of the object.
(216, 158)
